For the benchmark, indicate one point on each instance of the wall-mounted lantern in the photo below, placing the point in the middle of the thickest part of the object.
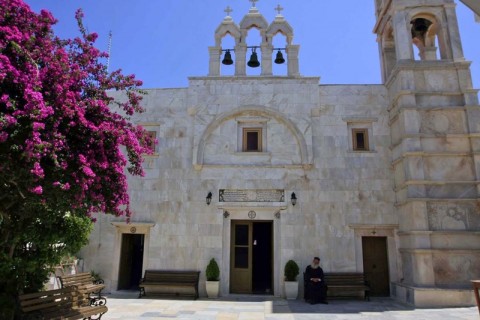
(293, 198)
(208, 199)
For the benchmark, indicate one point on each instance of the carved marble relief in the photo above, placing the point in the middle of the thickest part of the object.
(442, 122)
(453, 216)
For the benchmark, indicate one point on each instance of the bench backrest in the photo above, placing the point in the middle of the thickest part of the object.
(168, 276)
(78, 279)
(344, 278)
(50, 300)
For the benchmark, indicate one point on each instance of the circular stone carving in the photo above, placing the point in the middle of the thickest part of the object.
(252, 214)
(440, 123)
(133, 229)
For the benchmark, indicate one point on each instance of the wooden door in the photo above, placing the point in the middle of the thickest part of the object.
(375, 265)
(241, 257)
(125, 262)
(131, 261)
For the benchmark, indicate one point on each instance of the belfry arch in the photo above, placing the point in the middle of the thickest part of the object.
(254, 20)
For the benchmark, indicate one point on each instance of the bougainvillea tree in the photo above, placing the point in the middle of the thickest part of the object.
(64, 143)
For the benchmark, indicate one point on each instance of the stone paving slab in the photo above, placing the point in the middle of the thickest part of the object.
(270, 308)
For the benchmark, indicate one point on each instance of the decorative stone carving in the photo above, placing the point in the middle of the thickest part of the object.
(453, 216)
(442, 122)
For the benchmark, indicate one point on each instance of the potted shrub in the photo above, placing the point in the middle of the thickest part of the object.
(213, 276)
(291, 284)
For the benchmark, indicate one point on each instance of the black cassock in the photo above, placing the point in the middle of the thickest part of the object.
(315, 292)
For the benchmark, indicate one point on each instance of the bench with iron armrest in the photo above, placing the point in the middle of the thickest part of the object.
(169, 282)
(65, 303)
(348, 283)
(87, 285)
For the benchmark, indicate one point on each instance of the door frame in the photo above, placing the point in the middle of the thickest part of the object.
(265, 214)
(130, 228)
(132, 252)
(388, 231)
(251, 223)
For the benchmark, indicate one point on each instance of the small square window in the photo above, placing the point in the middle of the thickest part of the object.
(153, 136)
(360, 139)
(252, 139)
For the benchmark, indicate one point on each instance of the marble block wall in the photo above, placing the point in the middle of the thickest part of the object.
(307, 151)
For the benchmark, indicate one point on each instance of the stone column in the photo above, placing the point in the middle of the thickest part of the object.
(403, 37)
(267, 50)
(214, 68)
(241, 59)
(454, 33)
(292, 57)
(390, 60)
(431, 53)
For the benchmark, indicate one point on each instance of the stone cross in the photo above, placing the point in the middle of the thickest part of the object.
(253, 2)
(228, 10)
(279, 9)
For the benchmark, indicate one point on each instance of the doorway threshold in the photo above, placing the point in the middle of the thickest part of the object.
(249, 297)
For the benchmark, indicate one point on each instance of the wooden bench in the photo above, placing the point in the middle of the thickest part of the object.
(347, 283)
(65, 303)
(87, 285)
(168, 282)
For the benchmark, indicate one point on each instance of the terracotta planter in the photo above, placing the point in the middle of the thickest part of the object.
(291, 290)
(212, 288)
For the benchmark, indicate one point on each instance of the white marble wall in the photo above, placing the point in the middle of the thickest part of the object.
(336, 187)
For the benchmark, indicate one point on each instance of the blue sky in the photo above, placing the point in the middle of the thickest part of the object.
(163, 42)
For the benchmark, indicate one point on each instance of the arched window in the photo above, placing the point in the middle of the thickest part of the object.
(227, 42)
(388, 51)
(426, 38)
(254, 39)
(279, 41)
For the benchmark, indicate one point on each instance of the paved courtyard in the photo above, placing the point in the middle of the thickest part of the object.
(127, 306)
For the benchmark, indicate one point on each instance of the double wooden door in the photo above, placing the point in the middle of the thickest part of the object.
(251, 257)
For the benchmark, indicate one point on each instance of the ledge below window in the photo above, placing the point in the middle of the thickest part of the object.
(253, 153)
(361, 151)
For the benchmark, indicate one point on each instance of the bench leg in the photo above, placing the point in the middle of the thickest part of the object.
(96, 299)
(95, 317)
(367, 295)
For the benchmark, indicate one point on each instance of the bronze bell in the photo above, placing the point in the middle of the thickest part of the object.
(279, 59)
(420, 27)
(253, 62)
(227, 59)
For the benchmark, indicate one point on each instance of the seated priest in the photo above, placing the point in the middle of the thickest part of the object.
(315, 286)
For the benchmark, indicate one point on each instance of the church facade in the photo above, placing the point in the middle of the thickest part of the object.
(257, 170)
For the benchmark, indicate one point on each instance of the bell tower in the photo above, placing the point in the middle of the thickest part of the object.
(254, 19)
(435, 141)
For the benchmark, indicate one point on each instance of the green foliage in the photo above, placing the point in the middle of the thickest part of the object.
(95, 275)
(40, 244)
(212, 272)
(61, 145)
(291, 270)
